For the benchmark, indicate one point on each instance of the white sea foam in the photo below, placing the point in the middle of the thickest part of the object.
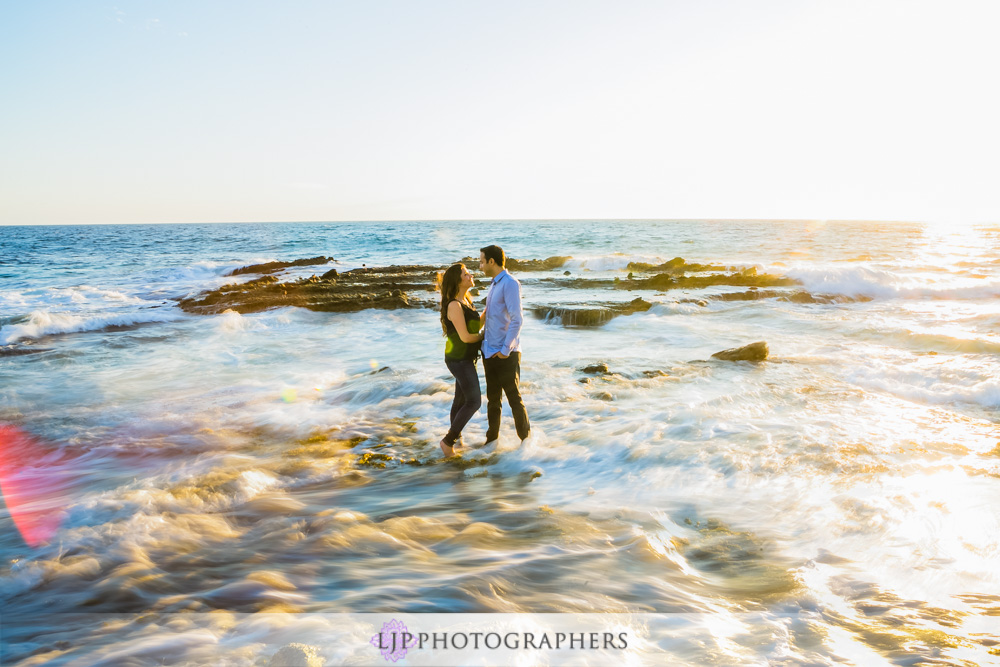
(882, 284)
(78, 297)
(202, 270)
(677, 308)
(89, 293)
(44, 323)
(936, 384)
(10, 301)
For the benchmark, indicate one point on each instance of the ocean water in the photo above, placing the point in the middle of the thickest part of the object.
(836, 504)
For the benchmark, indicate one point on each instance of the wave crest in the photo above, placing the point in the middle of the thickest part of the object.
(43, 323)
(881, 284)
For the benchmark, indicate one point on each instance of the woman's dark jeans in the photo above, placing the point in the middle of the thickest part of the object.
(468, 396)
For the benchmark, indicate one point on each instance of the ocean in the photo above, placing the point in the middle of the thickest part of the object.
(835, 504)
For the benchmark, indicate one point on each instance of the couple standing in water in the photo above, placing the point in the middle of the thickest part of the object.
(499, 341)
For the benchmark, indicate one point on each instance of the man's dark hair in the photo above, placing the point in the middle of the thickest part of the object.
(495, 253)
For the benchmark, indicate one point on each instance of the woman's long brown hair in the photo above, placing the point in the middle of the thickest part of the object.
(451, 279)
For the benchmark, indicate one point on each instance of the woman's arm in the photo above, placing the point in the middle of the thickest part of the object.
(457, 318)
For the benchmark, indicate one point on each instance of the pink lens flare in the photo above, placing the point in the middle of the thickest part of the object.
(33, 485)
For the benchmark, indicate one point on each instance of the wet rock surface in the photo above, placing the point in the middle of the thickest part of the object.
(675, 265)
(358, 289)
(512, 264)
(271, 267)
(591, 317)
(409, 286)
(20, 350)
(757, 351)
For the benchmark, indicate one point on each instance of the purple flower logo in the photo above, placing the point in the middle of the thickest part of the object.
(393, 640)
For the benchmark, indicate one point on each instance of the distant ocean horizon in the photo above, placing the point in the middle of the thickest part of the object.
(486, 220)
(835, 502)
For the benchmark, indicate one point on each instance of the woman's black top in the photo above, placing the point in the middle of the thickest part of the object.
(455, 349)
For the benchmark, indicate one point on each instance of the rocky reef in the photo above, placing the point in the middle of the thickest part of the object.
(403, 286)
(348, 291)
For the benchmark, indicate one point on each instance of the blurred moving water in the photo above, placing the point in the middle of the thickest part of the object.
(837, 503)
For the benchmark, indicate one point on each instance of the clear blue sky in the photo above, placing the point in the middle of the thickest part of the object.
(161, 111)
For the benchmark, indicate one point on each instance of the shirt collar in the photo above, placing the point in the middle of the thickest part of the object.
(498, 276)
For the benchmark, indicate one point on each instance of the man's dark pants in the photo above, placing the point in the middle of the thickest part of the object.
(503, 375)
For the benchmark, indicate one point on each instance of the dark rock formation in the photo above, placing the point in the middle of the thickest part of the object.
(329, 275)
(17, 351)
(753, 352)
(746, 277)
(271, 267)
(370, 287)
(676, 265)
(591, 317)
(546, 264)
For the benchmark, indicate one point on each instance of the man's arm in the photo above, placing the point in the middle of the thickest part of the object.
(512, 302)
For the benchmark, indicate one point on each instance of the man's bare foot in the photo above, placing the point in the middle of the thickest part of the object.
(448, 450)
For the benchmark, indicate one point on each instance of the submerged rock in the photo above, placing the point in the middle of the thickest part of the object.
(271, 267)
(753, 352)
(374, 460)
(668, 280)
(296, 655)
(596, 369)
(800, 296)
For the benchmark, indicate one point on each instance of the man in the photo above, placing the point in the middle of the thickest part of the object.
(502, 344)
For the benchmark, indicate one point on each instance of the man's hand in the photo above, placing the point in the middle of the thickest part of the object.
(501, 356)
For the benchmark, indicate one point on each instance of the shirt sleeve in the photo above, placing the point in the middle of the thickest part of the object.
(512, 301)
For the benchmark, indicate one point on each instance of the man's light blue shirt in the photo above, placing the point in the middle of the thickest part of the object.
(503, 316)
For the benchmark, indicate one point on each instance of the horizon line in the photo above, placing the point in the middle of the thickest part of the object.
(516, 220)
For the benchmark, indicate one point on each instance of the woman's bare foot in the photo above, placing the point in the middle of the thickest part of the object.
(448, 450)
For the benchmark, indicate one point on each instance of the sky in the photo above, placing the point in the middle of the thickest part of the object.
(180, 111)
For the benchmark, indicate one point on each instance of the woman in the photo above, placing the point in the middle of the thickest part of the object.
(461, 323)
